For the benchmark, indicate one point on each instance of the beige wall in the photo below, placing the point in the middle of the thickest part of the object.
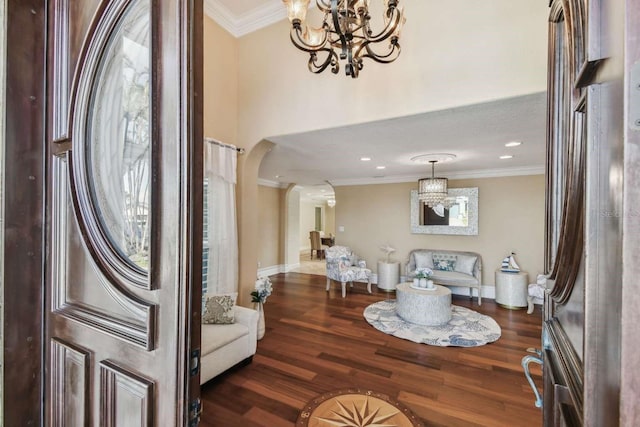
(329, 220)
(220, 83)
(510, 218)
(307, 222)
(269, 226)
(291, 214)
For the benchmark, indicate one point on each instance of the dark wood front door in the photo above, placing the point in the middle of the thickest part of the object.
(589, 221)
(123, 266)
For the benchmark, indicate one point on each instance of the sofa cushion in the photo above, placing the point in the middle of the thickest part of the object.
(423, 259)
(218, 309)
(465, 264)
(444, 262)
(214, 337)
(453, 278)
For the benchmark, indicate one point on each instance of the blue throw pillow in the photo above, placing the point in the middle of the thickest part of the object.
(444, 262)
(445, 265)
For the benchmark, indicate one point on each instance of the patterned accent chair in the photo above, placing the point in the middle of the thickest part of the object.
(344, 266)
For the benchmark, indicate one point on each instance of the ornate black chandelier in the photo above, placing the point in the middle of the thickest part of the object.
(346, 28)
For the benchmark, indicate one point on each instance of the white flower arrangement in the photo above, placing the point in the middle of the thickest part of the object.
(263, 289)
(424, 272)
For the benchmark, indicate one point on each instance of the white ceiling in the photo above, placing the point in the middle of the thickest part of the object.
(474, 134)
(241, 7)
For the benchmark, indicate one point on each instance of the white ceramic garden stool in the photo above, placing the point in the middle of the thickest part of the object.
(388, 275)
(512, 289)
(423, 306)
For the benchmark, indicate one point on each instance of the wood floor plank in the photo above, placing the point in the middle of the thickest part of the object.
(262, 417)
(317, 341)
(296, 371)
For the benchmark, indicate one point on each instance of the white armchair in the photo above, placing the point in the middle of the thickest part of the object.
(344, 266)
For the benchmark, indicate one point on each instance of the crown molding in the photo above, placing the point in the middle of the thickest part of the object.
(498, 173)
(220, 14)
(248, 22)
(482, 173)
(272, 184)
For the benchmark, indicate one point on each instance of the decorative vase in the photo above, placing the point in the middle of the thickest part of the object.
(261, 326)
(416, 282)
(423, 282)
(430, 284)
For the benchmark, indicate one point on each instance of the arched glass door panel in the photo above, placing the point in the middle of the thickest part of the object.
(118, 151)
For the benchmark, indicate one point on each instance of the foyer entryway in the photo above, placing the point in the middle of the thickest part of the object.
(310, 266)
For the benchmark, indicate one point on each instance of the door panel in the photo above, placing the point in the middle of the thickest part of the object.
(563, 333)
(127, 398)
(70, 365)
(123, 266)
(582, 329)
(79, 289)
(70, 23)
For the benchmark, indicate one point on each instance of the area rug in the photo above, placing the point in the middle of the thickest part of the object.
(467, 328)
(356, 408)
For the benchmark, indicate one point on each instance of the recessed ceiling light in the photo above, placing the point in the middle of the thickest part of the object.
(513, 144)
(365, 159)
(278, 176)
(322, 191)
(508, 156)
(381, 167)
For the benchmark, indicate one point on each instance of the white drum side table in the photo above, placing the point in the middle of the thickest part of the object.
(423, 307)
(512, 289)
(388, 275)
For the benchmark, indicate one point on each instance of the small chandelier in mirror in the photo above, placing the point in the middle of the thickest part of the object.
(433, 191)
(346, 28)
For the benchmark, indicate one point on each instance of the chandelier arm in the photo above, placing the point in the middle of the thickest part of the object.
(331, 59)
(299, 42)
(357, 36)
(382, 59)
(334, 42)
(335, 13)
(389, 29)
(354, 64)
(324, 6)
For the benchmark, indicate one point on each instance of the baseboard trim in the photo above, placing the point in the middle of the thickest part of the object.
(275, 269)
(488, 291)
(289, 267)
(271, 270)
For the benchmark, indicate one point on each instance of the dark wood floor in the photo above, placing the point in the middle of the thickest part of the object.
(317, 341)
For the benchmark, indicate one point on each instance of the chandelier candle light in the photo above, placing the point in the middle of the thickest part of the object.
(345, 27)
(433, 191)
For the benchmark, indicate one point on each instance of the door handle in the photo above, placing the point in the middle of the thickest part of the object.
(525, 366)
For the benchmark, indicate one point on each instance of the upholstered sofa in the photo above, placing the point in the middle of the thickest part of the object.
(465, 268)
(224, 346)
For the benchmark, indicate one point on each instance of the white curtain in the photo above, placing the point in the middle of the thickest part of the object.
(222, 230)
